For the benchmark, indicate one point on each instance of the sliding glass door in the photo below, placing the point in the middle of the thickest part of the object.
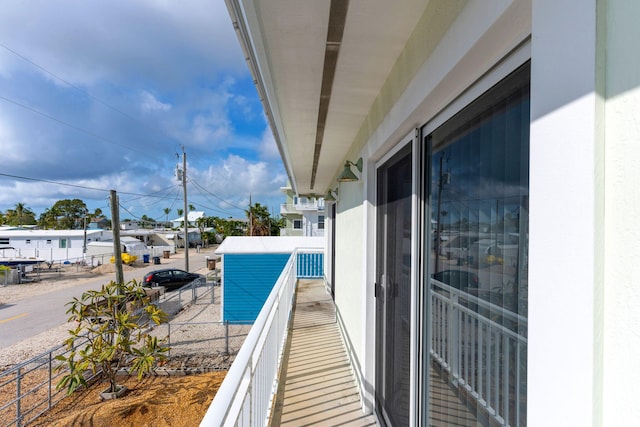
(393, 288)
(475, 316)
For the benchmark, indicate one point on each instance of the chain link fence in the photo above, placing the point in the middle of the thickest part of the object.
(28, 389)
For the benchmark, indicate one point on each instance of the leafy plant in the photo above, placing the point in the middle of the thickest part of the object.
(110, 334)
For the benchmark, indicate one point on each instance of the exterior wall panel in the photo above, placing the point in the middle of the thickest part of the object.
(349, 286)
(248, 280)
(621, 296)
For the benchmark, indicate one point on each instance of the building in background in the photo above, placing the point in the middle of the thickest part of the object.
(304, 216)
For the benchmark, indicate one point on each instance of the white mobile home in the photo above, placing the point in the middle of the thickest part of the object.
(513, 121)
(52, 245)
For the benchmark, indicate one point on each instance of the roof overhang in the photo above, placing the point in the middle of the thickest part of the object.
(319, 67)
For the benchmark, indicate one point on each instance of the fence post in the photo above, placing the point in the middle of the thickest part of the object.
(18, 400)
(50, 377)
(169, 339)
(226, 336)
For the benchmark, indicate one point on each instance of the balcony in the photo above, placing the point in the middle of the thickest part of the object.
(300, 206)
(297, 322)
(291, 232)
(293, 368)
(288, 209)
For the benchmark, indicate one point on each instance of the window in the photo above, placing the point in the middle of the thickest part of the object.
(297, 224)
(476, 327)
(4, 241)
(28, 241)
(62, 243)
(48, 241)
(320, 222)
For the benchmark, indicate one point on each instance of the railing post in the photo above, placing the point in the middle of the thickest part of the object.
(453, 345)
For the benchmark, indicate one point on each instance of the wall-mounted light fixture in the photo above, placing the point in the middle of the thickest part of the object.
(331, 195)
(347, 175)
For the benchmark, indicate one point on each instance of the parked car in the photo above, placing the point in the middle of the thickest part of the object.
(170, 278)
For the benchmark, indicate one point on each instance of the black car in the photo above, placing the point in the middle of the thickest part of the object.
(170, 278)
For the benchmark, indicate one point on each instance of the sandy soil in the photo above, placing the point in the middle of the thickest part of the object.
(154, 401)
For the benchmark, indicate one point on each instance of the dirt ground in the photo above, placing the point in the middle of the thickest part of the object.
(158, 401)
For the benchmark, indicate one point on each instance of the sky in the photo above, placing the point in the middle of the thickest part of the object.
(105, 95)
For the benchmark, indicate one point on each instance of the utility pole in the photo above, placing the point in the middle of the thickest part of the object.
(443, 178)
(186, 214)
(250, 217)
(117, 249)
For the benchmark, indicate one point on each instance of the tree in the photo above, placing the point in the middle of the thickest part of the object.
(48, 219)
(70, 213)
(277, 224)
(259, 220)
(110, 334)
(147, 222)
(20, 215)
(191, 207)
(166, 212)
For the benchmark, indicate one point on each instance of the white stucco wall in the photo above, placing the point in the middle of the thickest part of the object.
(621, 326)
(565, 198)
(350, 257)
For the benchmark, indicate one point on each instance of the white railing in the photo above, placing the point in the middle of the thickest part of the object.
(483, 348)
(245, 396)
(287, 208)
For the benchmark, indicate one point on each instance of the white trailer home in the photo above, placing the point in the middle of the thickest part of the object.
(52, 245)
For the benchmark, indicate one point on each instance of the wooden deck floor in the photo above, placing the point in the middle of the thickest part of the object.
(317, 385)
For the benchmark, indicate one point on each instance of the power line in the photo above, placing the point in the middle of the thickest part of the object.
(79, 129)
(217, 197)
(84, 92)
(24, 178)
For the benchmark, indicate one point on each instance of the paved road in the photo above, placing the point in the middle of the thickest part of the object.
(29, 317)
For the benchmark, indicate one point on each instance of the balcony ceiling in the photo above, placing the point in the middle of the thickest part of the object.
(319, 66)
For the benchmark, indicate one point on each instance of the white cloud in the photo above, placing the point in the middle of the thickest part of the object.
(150, 103)
(268, 148)
(148, 76)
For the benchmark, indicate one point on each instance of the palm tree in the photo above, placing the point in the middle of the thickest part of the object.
(166, 212)
(259, 220)
(20, 213)
(191, 208)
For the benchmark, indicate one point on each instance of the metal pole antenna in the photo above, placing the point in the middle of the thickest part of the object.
(186, 216)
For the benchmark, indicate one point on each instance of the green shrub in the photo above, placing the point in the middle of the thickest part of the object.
(110, 335)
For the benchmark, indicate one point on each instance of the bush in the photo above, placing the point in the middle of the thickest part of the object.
(110, 335)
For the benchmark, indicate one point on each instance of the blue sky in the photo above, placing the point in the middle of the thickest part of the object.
(104, 94)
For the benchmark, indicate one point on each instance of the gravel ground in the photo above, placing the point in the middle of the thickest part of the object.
(191, 345)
